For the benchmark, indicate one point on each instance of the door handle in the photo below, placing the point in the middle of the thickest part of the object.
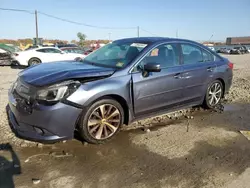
(177, 76)
(210, 69)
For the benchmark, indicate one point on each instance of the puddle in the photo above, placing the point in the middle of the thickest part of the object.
(233, 107)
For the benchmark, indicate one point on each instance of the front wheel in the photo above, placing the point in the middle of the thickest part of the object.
(102, 121)
(214, 94)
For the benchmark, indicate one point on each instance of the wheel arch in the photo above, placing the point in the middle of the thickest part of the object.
(121, 101)
(34, 58)
(223, 85)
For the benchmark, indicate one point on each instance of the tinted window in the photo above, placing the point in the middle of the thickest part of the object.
(73, 50)
(48, 50)
(166, 55)
(52, 50)
(207, 57)
(41, 50)
(191, 54)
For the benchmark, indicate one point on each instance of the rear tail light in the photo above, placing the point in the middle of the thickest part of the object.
(230, 65)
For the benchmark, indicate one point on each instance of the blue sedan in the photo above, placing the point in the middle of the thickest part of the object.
(123, 81)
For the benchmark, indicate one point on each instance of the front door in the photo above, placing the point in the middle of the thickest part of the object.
(158, 90)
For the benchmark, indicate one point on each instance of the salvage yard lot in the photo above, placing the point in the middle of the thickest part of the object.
(191, 148)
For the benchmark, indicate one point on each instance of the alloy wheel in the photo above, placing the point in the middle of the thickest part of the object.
(214, 94)
(35, 62)
(104, 121)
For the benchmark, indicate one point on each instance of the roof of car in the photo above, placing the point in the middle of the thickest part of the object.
(151, 39)
(45, 47)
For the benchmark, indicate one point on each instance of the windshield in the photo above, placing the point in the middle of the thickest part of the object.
(117, 54)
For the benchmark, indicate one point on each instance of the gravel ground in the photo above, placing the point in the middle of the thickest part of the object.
(188, 148)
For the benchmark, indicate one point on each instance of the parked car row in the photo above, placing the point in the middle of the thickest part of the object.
(234, 50)
(239, 50)
(9, 55)
(224, 50)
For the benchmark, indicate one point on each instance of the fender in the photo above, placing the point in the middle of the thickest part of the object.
(89, 92)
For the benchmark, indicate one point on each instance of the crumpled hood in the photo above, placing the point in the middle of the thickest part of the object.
(49, 73)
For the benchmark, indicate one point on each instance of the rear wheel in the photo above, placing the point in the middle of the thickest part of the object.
(214, 94)
(78, 59)
(102, 121)
(34, 61)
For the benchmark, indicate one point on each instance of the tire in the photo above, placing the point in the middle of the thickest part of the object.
(90, 124)
(78, 59)
(34, 61)
(216, 97)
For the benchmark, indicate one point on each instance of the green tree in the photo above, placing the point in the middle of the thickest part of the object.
(81, 38)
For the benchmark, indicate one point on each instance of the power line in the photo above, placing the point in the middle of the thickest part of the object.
(17, 10)
(77, 23)
(84, 24)
(149, 32)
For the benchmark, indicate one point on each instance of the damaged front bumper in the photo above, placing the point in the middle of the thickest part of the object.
(42, 123)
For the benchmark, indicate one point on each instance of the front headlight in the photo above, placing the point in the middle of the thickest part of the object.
(57, 92)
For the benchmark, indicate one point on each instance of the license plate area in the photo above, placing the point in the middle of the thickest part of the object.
(23, 105)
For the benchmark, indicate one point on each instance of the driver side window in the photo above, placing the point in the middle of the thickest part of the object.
(167, 55)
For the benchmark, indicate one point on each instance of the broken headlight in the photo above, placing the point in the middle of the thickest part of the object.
(57, 92)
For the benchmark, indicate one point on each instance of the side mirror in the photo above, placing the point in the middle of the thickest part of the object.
(152, 67)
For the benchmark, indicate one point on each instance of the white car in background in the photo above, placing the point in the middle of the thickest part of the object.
(43, 55)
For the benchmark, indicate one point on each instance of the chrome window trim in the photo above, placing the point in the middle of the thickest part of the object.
(171, 42)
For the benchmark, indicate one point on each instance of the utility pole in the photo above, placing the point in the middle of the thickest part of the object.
(177, 33)
(210, 38)
(138, 31)
(36, 27)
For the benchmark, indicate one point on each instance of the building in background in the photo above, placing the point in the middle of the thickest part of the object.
(238, 40)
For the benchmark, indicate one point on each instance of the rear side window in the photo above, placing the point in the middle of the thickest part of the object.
(41, 50)
(207, 57)
(191, 54)
(52, 50)
(48, 50)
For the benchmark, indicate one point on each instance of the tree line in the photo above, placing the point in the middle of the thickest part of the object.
(81, 41)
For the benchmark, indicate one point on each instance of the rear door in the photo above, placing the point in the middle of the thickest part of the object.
(198, 71)
(158, 90)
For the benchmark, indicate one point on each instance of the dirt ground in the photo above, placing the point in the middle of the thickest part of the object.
(189, 148)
